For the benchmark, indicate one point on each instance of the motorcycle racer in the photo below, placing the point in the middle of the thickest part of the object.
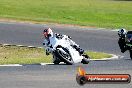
(122, 39)
(49, 37)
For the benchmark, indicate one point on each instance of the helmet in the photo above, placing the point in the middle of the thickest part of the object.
(122, 31)
(48, 33)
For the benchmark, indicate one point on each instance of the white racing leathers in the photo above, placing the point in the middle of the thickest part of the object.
(51, 44)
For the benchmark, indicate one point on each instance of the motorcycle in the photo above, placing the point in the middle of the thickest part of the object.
(63, 52)
(129, 42)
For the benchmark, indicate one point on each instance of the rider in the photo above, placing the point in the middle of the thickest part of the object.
(122, 39)
(48, 34)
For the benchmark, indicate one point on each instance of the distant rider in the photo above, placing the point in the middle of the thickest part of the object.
(48, 35)
(122, 39)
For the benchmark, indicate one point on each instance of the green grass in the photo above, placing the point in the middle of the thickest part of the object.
(24, 55)
(95, 13)
(98, 55)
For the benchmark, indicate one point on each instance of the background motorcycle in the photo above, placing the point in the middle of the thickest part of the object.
(129, 42)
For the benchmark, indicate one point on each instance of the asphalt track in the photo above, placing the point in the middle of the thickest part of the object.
(61, 76)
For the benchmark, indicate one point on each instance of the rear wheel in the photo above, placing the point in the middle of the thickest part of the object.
(85, 59)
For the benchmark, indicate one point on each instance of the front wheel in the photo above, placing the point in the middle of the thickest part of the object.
(65, 57)
(55, 58)
(130, 51)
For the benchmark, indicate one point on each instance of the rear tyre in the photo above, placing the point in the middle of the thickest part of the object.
(130, 53)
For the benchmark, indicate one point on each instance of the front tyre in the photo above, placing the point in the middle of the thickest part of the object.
(55, 59)
(66, 57)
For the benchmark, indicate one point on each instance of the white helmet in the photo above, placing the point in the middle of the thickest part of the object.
(122, 31)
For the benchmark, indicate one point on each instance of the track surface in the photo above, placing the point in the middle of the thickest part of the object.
(55, 76)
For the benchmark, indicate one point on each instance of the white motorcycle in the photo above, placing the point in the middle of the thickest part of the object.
(64, 52)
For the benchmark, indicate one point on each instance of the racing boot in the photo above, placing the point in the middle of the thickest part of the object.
(81, 51)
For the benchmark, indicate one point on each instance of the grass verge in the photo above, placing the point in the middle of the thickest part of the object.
(99, 13)
(98, 55)
(24, 55)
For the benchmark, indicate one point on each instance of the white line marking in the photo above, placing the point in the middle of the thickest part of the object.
(11, 65)
(50, 63)
(31, 46)
(112, 58)
(6, 44)
(40, 47)
(20, 45)
(45, 63)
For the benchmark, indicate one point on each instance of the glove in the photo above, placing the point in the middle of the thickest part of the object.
(44, 44)
(47, 51)
(59, 36)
